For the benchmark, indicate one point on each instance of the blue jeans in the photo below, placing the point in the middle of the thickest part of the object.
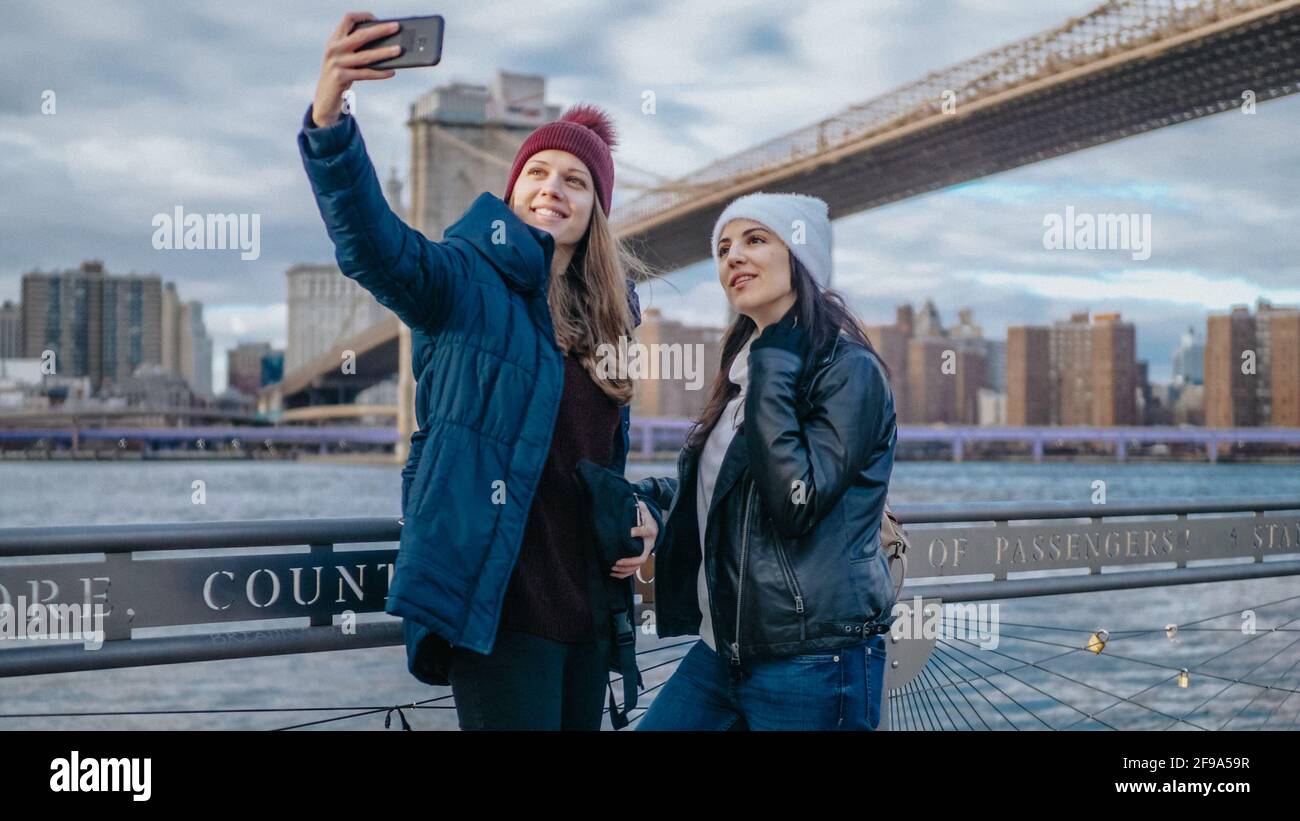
(832, 690)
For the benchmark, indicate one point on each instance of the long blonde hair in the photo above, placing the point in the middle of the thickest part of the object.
(589, 304)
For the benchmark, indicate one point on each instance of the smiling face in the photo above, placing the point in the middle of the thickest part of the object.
(754, 270)
(555, 192)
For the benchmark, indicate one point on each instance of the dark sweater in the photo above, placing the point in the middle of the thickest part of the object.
(549, 593)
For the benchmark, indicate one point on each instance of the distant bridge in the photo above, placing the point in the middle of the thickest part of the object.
(1126, 67)
(323, 381)
(1117, 438)
(140, 416)
(662, 438)
(211, 436)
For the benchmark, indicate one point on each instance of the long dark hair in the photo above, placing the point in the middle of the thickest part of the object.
(820, 311)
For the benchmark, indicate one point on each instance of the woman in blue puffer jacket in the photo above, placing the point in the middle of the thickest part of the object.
(496, 577)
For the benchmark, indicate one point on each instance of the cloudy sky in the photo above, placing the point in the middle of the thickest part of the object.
(197, 104)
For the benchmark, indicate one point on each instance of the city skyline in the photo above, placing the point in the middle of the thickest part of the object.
(1077, 371)
(342, 304)
(114, 160)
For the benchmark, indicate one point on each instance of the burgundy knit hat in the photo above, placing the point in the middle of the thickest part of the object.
(584, 131)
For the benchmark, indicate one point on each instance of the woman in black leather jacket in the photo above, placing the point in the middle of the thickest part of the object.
(771, 549)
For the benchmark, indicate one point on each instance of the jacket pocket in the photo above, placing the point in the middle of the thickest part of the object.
(873, 586)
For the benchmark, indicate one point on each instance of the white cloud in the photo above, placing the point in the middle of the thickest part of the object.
(248, 322)
(1179, 287)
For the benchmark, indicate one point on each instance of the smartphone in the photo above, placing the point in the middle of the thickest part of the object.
(419, 37)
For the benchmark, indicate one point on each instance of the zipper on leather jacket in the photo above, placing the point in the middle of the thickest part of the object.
(791, 581)
(740, 579)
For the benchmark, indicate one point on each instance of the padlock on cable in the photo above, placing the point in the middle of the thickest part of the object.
(1097, 641)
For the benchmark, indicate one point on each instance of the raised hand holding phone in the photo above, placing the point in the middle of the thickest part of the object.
(343, 64)
(419, 37)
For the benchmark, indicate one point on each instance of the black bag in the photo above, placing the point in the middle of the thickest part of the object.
(612, 512)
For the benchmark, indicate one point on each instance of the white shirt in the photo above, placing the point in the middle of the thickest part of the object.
(715, 449)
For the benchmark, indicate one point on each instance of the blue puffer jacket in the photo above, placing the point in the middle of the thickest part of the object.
(488, 377)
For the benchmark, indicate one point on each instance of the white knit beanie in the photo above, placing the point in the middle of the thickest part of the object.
(802, 222)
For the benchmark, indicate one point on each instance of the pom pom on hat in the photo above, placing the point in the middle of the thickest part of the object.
(594, 118)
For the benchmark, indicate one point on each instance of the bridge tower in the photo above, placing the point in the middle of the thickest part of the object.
(463, 141)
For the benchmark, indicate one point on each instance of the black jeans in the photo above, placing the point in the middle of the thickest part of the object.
(530, 683)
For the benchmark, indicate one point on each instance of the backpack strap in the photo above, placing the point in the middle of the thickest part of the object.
(618, 599)
(893, 538)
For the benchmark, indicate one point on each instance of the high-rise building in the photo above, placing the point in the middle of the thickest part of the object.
(196, 350)
(186, 344)
(676, 393)
(325, 308)
(1284, 374)
(1189, 406)
(1266, 315)
(99, 327)
(926, 323)
(1114, 371)
(1146, 405)
(1231, 370)
(971, 377)
(1029, 371)
(981, 363)
(931, 381)
(937, 373)
(463, 140)
(131, 329)
(1189, 360)
(1247, 361)
(171, 329)
(62, 314)
(890, 342)
(1071, 357)
(905, 319)
(1075, 372)
(244, 366)
(11, 331)
(995, 357)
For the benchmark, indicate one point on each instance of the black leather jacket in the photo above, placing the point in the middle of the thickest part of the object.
(795, 564)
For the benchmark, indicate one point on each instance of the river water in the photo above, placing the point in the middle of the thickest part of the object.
(44, 494)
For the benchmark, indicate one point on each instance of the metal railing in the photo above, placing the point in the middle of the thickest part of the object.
(973, 553)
